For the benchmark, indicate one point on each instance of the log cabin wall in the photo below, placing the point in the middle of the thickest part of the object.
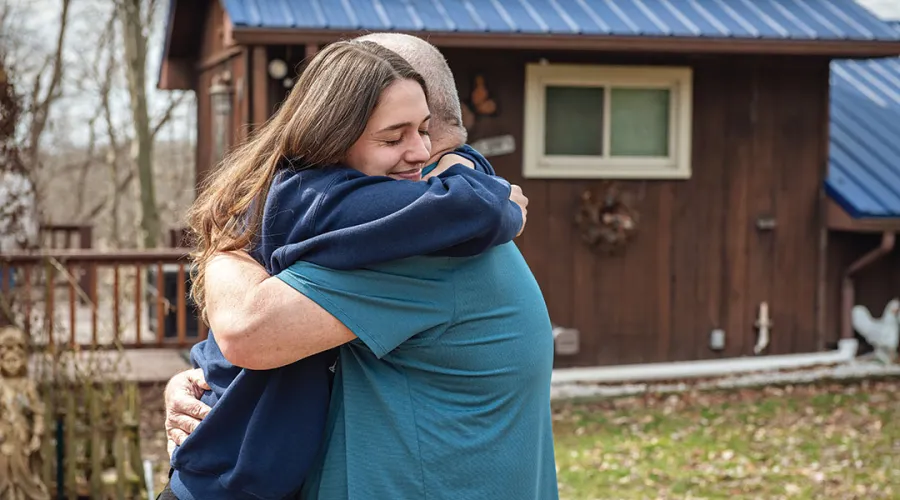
(699, 262)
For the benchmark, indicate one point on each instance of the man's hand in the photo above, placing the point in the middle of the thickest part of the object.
(518, 197)
(184, 410)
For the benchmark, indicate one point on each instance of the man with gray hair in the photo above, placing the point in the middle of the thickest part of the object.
(443, 98)
(458, 408)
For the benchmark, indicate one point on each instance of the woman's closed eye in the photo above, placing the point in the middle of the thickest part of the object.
(398, 140)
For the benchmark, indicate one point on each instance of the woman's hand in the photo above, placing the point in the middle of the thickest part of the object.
(447, 161)
(518, 197)
(184, 410)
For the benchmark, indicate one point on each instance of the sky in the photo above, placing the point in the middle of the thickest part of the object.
(887, 9)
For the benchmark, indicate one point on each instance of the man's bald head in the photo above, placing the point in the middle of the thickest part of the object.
(443, 99)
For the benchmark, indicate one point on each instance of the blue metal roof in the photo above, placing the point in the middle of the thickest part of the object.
(768, 19)
(864, 162)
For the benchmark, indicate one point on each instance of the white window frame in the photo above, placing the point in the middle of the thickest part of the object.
(679, 80)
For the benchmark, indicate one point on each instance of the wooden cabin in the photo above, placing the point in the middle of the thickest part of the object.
(674, 152)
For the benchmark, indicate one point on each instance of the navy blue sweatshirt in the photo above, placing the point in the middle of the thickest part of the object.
(266, 427)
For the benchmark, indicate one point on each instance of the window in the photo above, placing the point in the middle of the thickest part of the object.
(590, 121)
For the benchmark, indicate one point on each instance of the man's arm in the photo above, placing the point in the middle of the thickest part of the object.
(260, 322)
(276, 325)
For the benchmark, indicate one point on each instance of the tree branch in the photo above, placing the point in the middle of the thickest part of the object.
(150, 15)
(105, 88)
(167, 114)
(86, 165)
(100, 205)
(41, 105)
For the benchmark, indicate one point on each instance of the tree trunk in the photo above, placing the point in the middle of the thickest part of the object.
(135, 45)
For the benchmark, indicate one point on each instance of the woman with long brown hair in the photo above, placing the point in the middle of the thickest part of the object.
(325, 180)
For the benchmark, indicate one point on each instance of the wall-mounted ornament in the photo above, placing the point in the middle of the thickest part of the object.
(479, 103)
(495, 146)
(607, 222)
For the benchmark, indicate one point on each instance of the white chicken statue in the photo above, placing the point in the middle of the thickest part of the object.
(882, 333)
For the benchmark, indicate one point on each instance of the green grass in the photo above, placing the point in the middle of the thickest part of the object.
(828, 441)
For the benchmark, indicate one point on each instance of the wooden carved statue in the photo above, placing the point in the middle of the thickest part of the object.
(21, 422)
(607, 224)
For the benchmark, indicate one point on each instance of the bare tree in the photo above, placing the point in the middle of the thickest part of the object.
(137, 17)
(18, 206)
(44, 94)
(132, 15)
(92, 128)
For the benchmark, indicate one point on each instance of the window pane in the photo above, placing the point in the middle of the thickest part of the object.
(573, 121)
(639, 122)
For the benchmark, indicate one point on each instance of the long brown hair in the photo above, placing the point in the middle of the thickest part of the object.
(324, 115)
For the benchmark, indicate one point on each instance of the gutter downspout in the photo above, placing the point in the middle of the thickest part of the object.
(848, 292)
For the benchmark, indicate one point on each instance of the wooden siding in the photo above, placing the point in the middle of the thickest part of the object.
(699, 263)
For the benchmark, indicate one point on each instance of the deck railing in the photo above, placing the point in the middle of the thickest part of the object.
(66, 237)
(132, 299)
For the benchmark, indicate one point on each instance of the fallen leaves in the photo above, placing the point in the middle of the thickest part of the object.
(817, 441)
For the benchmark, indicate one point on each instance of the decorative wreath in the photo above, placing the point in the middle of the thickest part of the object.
(608, 223)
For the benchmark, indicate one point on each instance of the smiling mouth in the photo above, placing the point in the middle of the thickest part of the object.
(412, 174)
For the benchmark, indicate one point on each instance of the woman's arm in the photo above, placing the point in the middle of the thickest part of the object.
(259, 321)
(360, 221)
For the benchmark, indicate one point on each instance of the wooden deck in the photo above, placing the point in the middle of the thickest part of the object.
(86, 298)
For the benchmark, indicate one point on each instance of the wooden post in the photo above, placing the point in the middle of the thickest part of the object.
(259, 78)
(48, 450)
(71, 459)
(311, 50)
(89, 279)
(118, 412)
(134, 432)
(96, 456)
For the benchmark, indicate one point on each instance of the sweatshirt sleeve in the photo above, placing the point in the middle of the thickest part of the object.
(361, 221)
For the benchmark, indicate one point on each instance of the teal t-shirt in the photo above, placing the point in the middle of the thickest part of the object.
(446, 392)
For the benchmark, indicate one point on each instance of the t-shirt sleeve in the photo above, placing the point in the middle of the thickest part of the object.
(384, 308)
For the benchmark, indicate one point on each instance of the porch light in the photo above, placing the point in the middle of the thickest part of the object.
(278, 69)
(220, 94)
